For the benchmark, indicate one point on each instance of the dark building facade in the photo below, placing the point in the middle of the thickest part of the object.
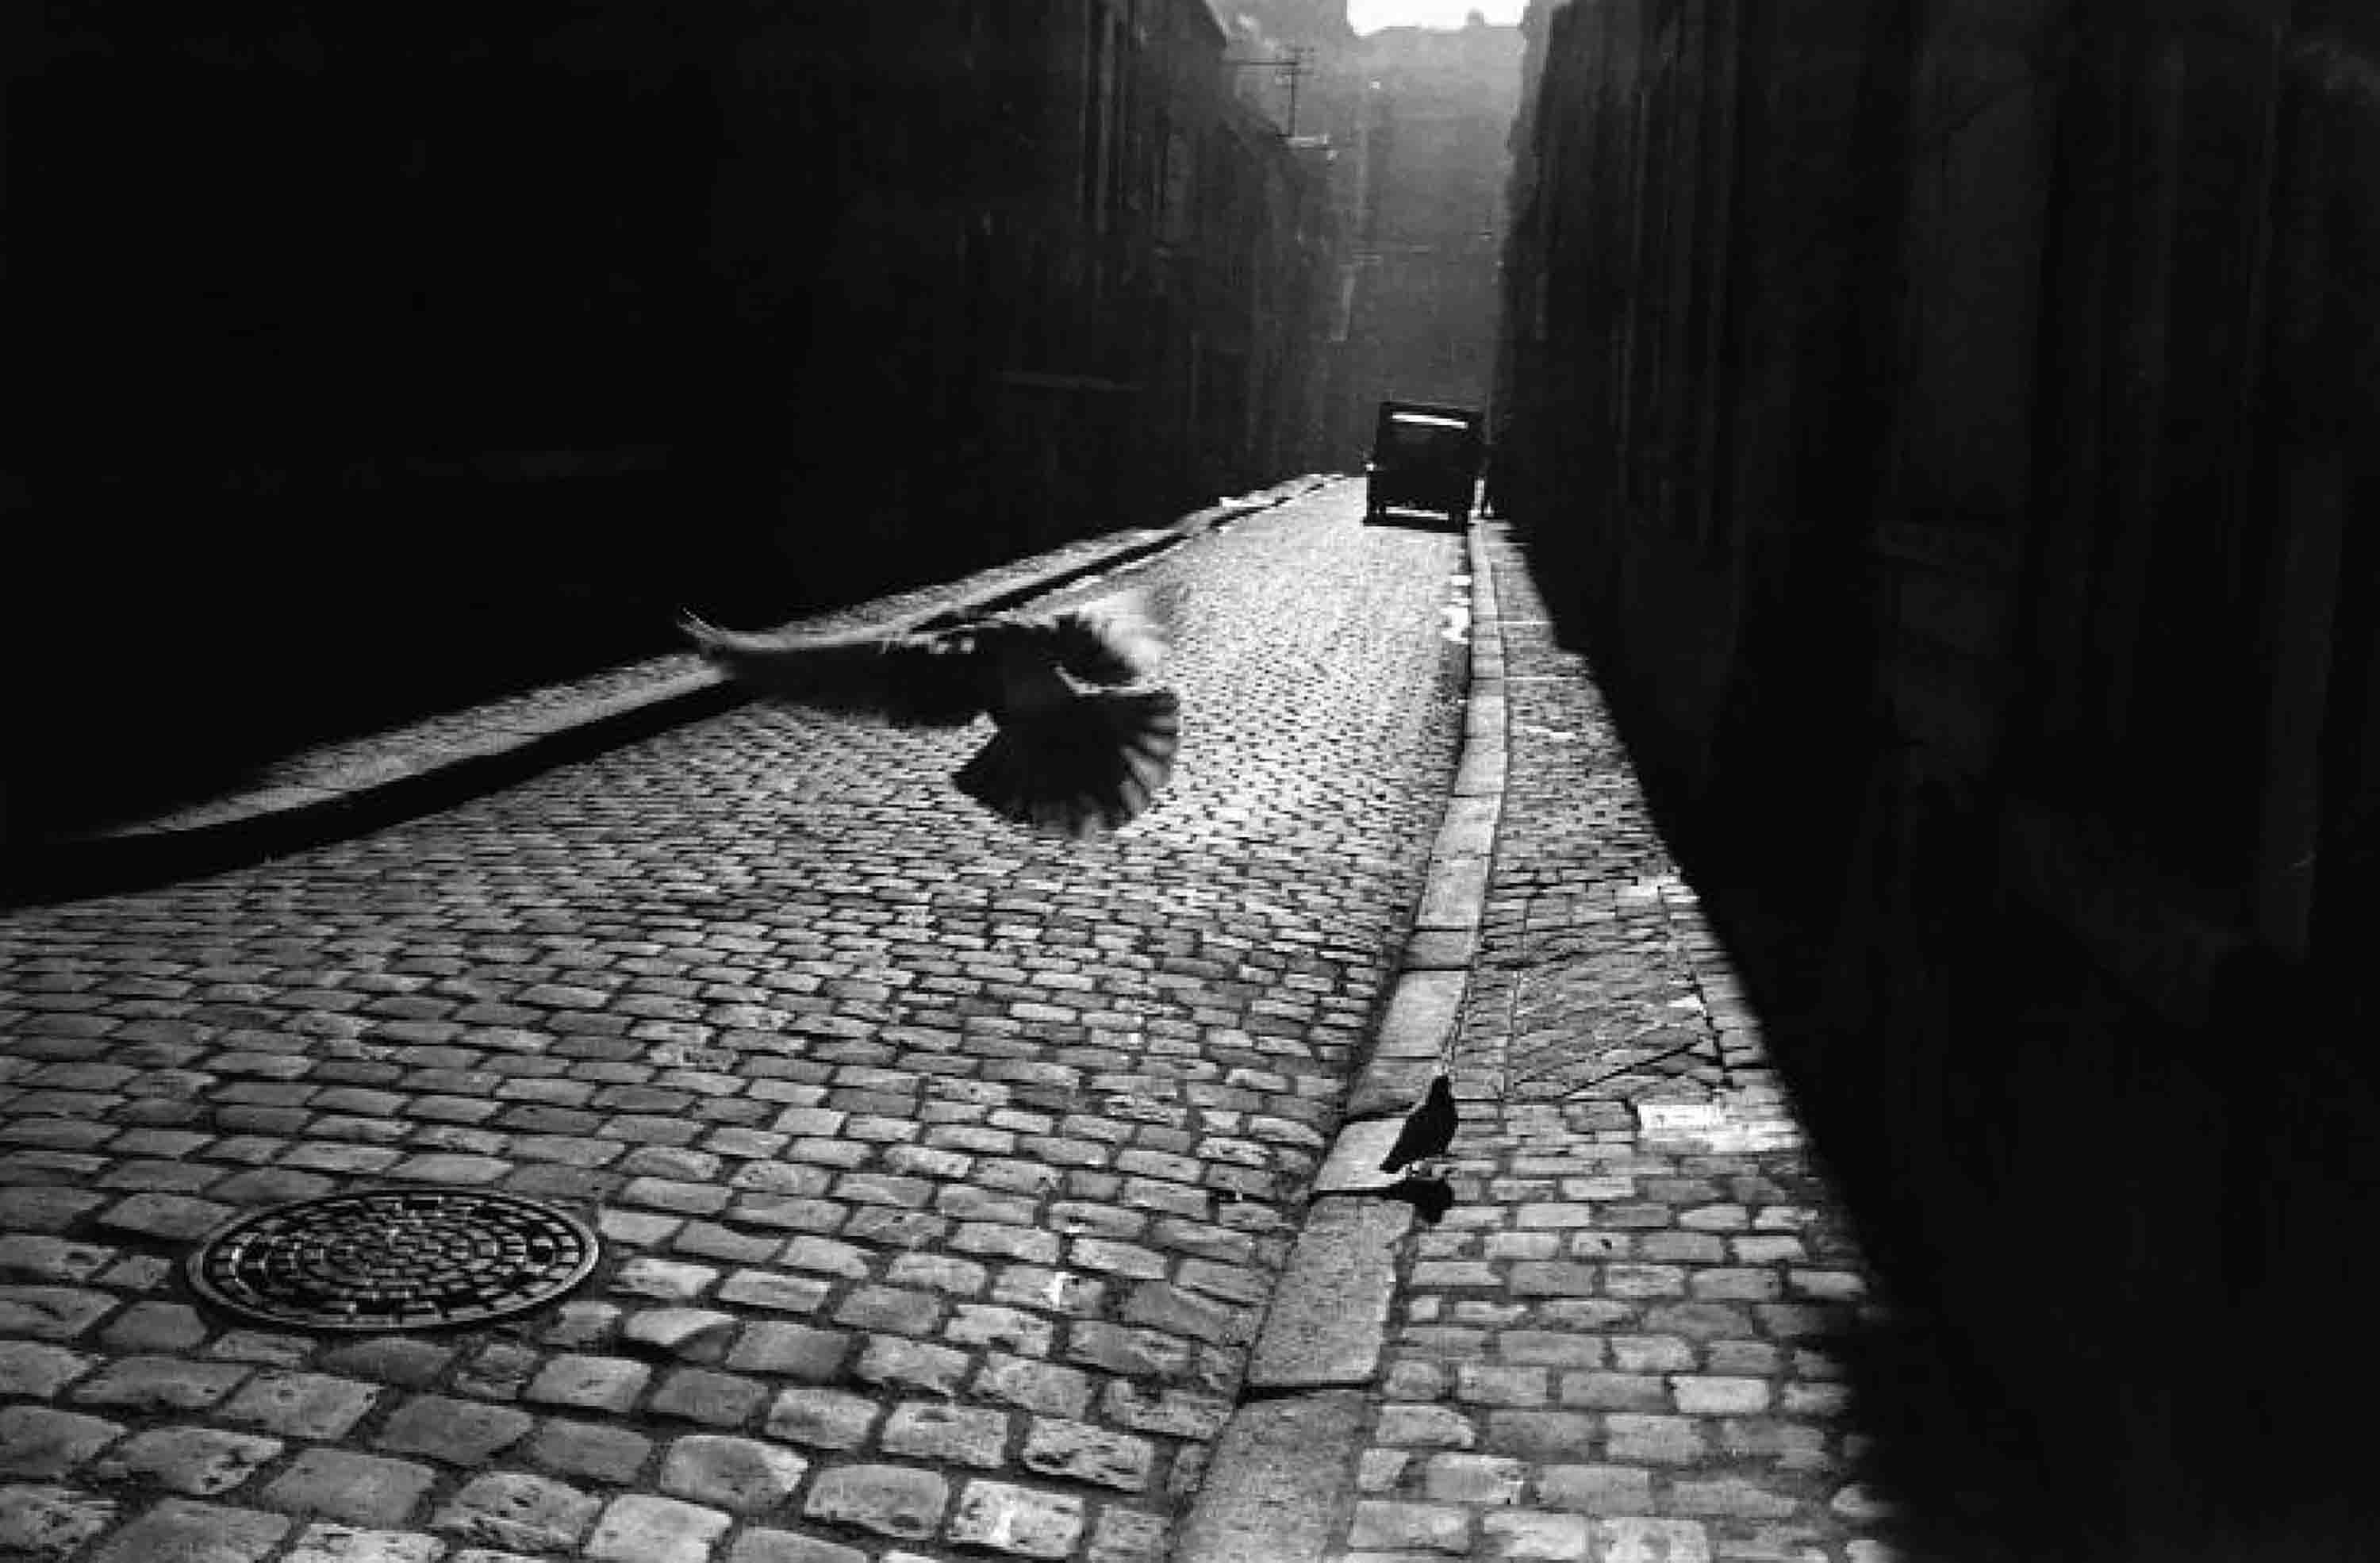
(1950, 425)
(537, 321)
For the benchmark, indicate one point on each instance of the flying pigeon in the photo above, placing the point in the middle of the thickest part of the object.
(1084, 740)
(1428, 1130)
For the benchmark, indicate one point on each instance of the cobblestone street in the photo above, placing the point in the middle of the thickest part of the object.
(943, 1172)
(965, 1194)
(1149, 782)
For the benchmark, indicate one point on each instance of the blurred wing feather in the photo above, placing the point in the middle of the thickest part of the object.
(1120, 640)
(932, 680)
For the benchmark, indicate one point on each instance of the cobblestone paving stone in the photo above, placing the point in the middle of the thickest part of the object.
(942, 1171)
(1613, 1346)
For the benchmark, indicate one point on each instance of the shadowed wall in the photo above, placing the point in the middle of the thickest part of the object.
(1947, 424)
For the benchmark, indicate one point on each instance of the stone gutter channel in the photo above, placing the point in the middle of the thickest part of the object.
(344, 790)
(1280, 1483)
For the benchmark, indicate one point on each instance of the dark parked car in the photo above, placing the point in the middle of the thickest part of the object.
(1425, 457)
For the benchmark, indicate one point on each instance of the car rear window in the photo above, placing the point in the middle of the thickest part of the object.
(1419, 431)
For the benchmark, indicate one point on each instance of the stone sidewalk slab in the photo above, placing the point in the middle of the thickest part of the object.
(1279, 1481)
(1326, 1322)
(1424, 1008)
(1390, 1086)
(1353, 1164)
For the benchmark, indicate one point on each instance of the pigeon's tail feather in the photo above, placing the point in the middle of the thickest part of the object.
(1088, 766)
(915, 680)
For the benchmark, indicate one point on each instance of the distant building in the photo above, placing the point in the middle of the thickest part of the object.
(1411, 126)
(1437, 114)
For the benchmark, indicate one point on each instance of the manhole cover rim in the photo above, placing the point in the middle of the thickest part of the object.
(544, 1290)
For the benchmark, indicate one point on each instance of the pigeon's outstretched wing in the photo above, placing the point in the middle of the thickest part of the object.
(1084, 741)
(1428, 1130)
(914, 680)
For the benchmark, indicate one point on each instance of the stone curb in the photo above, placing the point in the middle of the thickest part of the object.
(1426, 1005)
(1281, 1484)
(1327, 1323)
(1275, 1491)
(297, 818)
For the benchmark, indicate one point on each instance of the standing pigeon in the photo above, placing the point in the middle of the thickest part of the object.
(1084, 741)
(1428, 1130)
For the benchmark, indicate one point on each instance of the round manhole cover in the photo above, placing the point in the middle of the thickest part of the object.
(393, 1259)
